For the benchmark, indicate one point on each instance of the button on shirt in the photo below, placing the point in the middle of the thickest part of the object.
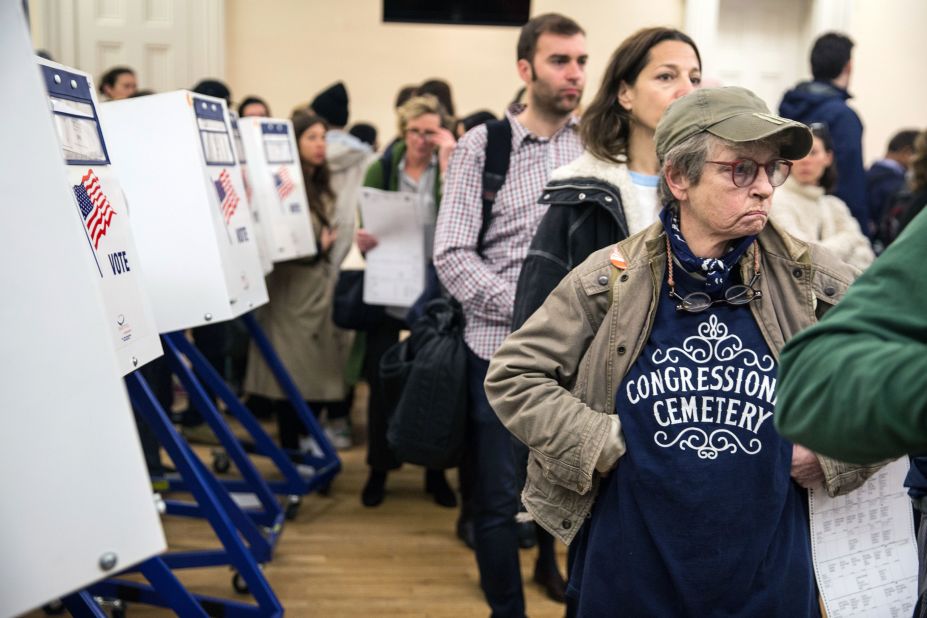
(485, 285)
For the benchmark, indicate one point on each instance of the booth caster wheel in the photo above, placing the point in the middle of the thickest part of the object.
(220, 461)
(292, 507)
(116, 607)
(55, 608)
(239, 584)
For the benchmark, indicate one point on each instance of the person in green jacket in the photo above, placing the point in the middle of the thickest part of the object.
(415, 164)
(854, 386)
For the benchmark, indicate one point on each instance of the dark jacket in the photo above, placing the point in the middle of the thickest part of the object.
(883, 181)
(586, 212)
(823, 102)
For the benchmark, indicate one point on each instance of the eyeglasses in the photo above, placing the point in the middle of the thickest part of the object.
(422, 134)
(744, 171)
(696, 302)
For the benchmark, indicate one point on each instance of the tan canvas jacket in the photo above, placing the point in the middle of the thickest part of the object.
(553, 381)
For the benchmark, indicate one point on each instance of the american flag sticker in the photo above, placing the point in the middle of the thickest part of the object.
(228, 199)
(283, 183)
(95, 209)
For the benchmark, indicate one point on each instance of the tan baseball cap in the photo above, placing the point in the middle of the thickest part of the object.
(732, 113)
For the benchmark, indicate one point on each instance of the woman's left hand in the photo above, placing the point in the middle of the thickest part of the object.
(445, 143)
(806, 469)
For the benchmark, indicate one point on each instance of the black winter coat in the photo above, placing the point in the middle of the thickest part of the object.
(584, 215)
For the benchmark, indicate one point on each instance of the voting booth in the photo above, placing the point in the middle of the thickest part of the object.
(174, 156)
(104, 214)
(275, 175)
(260, 237)
(77, 503)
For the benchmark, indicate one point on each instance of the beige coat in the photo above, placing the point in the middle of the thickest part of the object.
(553, 381)
(806, 213)
(298, 322)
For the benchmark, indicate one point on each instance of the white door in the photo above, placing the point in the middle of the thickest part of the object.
(170, 44)
(762, 45)
(149, 36)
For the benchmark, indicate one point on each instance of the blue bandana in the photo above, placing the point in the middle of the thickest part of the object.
(715, 270)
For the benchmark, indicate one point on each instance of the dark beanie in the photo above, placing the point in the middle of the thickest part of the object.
(366, 133)
(213, 88)
(332, 105)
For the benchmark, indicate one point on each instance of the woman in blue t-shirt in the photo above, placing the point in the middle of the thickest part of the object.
(645, 386)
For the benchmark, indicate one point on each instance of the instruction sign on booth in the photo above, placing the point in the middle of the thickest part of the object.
(260, 237)
(276, 176)
(103, 214)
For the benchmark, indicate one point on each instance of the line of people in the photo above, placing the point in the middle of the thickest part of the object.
(673, 231)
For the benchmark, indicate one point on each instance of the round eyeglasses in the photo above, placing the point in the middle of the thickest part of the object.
(744, 171)
(696, 302)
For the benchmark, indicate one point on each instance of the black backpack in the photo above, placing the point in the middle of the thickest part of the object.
(895, 217)
(426, 374)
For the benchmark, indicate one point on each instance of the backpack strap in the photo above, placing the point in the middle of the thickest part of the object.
(498, 154)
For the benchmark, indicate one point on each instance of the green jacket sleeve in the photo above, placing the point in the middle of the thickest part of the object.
(854, 386)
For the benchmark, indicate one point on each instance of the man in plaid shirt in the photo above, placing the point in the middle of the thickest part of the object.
(551, 62)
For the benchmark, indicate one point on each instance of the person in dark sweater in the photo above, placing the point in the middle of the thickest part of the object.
(886, 177)
(645, 386)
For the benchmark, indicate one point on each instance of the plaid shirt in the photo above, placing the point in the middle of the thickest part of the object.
(485, 286)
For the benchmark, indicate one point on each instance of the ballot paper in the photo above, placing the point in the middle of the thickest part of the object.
(865, 555)
(395, 273)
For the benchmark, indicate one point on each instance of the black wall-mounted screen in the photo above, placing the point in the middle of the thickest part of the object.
(462, 12)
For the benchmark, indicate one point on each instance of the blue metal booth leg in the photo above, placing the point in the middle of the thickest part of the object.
(216, 505)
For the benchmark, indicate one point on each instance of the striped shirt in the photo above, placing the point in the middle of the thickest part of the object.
(485, 286)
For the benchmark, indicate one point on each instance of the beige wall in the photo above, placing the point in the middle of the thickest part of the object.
(889, 81)
(317, 42)
(288, 50)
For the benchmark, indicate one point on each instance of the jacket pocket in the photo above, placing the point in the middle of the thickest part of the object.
(828, 291)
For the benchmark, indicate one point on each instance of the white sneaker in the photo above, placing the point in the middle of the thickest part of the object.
(307, 444)
(338, 432)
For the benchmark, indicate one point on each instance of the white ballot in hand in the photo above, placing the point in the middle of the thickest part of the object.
(395, 273)
(865, 556)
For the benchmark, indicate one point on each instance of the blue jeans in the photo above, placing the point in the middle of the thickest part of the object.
(494, 499)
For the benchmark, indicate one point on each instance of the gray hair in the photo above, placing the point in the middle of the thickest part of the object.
(689, 156)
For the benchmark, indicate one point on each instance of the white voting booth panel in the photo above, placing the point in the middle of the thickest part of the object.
(175, 158)
(267, 266)
(99, 200)
(276, 176)
(74, 484)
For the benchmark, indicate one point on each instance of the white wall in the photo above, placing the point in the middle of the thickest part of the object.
(889, 81)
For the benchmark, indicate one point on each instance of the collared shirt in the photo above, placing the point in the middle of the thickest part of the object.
(485, 285)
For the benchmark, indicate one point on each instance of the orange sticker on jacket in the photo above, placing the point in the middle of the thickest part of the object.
(618, 260)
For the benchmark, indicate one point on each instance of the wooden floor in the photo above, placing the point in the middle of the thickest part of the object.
(338, 558)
